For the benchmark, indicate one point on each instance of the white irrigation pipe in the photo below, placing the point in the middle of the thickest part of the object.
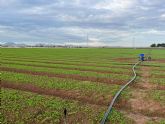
(118, 93)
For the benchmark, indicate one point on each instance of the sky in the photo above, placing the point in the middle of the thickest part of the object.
(83, 22)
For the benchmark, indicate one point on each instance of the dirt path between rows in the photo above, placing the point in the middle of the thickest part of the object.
(66, 76)
(129, 60)
(142, 109)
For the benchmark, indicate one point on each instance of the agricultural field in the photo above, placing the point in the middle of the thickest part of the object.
(37, 84)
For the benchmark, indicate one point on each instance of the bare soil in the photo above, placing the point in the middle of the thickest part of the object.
(158, 76)
(79, 117)
(148, 86)
(140, 118)
(146, 107)
(141, 109)
(159, 60)
(124, 59)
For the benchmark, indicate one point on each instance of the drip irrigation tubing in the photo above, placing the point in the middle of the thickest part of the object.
(118, 93)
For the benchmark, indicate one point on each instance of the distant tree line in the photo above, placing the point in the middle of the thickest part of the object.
(158, 45)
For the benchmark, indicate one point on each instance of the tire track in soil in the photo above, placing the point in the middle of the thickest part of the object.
(139, 106)
(65, 76)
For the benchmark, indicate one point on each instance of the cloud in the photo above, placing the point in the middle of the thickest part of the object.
(106, 22)
(4, 3)
(116, 5)
(154, 32)
(90, 43)
(162, 17)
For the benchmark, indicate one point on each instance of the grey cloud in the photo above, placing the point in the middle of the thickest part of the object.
(54, 20)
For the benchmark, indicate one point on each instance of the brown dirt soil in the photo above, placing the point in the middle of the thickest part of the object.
(67, 76)
(80, 118)
(86, 70)
(158, 76)
(141, 110)
(66, 94)
(160, 87)
(148, 87)
(125, 59)
(146, 107)
(154, 76)
(64, 63)
(159, 60)
(145, 83)
(160, 69)
(156, 66)
(140, 118)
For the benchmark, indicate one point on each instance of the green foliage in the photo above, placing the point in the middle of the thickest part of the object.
(117, 118)
(111, 66)
(162, 121)
(63, 71)
(158, 81)
(57, 83)
(24, 107)
(158, 95)
(153, 45)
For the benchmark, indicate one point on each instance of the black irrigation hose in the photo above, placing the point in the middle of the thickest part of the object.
(118, 93)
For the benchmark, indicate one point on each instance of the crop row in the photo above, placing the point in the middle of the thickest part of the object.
(91, 91)
(24, 107)
(68, 72)
(69, 60)
(70, 67)
(81, 63)
(91, 54)
(46, 82)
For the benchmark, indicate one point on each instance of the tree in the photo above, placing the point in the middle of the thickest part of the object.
(153, 45)
(161, 45)
(158, 45)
